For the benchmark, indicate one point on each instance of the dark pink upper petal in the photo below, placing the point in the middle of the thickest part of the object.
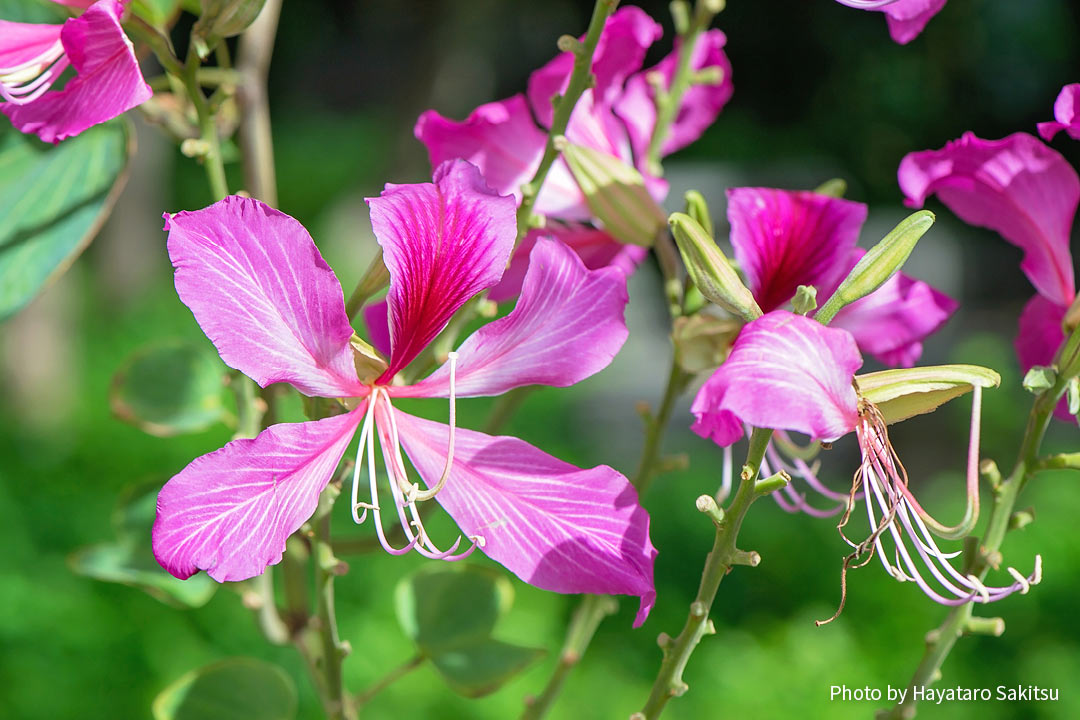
(620, 51)
(263, 294)
(1066, 114)
(554, 525)
(907, 18)
(567, 325)
(595, 247)
(230, 512)
(891, 322)
(23, 42)
(500, 138)
(1039, 338)
(783, 239)
(785, 372)
(1017, 186)
(699, 106)
(108, 80)
(442, 243)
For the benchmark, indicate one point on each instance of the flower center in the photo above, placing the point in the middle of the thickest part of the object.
(26, 82)
(379, 420)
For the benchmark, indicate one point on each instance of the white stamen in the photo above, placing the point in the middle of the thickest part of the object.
(420, 495)
(356, 504)
(1024, 584)
(980, 588)
(27, 81)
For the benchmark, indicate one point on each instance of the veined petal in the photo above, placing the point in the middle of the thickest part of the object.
(263, 294)
(377, 319)
(567, 325)
(785, 372)
(21, 43)
(907, 18)
(1039, 337)
(230, 512)
(700, 104)
(1017, 186)
(891, 322)
(442, 243)
(783, 239)
(1066, 114)
(554, 525)
(595, 247)
(621, 48)
(500, 138)
(108, 80)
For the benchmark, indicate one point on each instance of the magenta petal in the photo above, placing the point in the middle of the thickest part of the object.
(108, 80)
(500, 138)
(700, 104)
(442, 243)
(785, 372)
(1039, 337)
(1066, 114)
(567, 325)
(263, 294)
(907, 18)
(891, 322)
(554, 525)
(783, 239)
(24, 42)
(377, 319)
(595, 247)
(620, 51)
(1017, 186)
(230, 512)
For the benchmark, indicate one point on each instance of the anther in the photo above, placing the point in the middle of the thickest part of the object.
(1024, 584)
(979, 588)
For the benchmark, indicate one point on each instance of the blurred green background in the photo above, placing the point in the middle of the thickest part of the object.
(821, 91)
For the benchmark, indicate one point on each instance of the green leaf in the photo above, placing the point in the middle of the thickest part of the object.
(445, 606)
(904, 393)
(156, 12)
(53, 200)
(170, 388)
(234, 689)
(130, 560)
(483, 666)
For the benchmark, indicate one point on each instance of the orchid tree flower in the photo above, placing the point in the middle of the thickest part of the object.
(1066, 114)
(107, 80)
(783, 239)
(615, 117)
(1026, 192)
(789, 372)
(261, 291)
(906, 18)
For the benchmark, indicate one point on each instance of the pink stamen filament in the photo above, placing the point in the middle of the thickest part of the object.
(796, 501)
(866, 4)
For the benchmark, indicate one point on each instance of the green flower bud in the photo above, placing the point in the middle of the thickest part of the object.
(221, 19)
(833, 188)
(697, 208)
(710, 269)
(805, 299)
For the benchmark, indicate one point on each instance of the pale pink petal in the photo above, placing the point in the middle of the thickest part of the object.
(263, 294)
(698, 109)
(783, 239)
(108, 80)
(554, 525)
(567, 325)
(1039, 337)
(595, 247)
(620, 51)
(500, 138)
(891, 322)
(377, 319)
(230, 512)
(1066, 114)
(785, 372)
(1017, 186)
(442, 243)
(23, 42)
(907, 18)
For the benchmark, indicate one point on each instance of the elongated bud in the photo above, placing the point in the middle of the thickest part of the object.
(805, 300)
(1072, 316)
(710, 269)
(222, 19)
(1068, 358)
(615, 193)
(903, 393)
(879, 264)
(697, 208)
(835, 187)
(1072, 395)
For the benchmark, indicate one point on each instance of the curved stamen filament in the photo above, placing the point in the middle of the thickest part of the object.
(866, 4)
(420, 495)
(27, 81)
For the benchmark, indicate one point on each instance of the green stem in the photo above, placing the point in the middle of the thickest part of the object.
(256, 140)
(564, 106)
(389, 679)
(723, 556)
(657, 425)
(374, 279)
(211, 158)
(273, 627)
(505, 406)
(336, 702)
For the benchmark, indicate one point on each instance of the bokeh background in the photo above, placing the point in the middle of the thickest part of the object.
(820, 92)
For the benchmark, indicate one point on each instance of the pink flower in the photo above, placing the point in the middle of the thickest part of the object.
(788, 372)
(1066, 114)
(616, 116)
(783, 239)
(108, 81)
(260, 290)
(1026, 192)
(906, 18)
